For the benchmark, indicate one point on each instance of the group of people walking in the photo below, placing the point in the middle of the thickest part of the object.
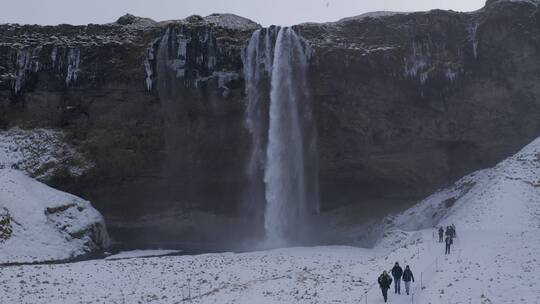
(450, 234)
(385, 281)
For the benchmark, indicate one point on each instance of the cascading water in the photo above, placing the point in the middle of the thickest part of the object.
(257, 72)
(283, 162)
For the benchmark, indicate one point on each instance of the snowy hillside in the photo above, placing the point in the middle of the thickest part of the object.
(494, 258)
(39, 223)
(503, 198)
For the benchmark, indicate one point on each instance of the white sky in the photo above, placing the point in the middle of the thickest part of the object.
(265, 12)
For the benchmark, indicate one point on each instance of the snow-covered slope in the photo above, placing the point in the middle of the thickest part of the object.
(503, 198)
(39, 223)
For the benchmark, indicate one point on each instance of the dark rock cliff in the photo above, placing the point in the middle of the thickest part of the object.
(405, 104)
(410, 102)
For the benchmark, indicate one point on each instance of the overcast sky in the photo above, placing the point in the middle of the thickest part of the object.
(281, 12)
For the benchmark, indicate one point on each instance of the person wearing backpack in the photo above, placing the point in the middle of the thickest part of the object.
(384, 281)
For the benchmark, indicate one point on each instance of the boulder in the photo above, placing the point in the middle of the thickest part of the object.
(41, 224)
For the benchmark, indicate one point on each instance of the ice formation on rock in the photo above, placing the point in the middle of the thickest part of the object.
(473, 32)
(73, 65)
(417, 63)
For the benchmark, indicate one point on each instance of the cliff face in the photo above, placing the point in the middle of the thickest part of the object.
(405, 103)
(157, 106)
(410, 102)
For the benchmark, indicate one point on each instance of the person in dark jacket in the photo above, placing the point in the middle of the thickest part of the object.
(397, 272)
(384, 282)
(407, 278)
(441, 234)
(448, 231)
(448, 243)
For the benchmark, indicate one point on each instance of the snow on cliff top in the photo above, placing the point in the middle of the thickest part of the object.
(534, 2)
(39, 223)
(376, 14)
(372, 15)
(506, 197)
(227, 21)
(135, 22)
(231, 21)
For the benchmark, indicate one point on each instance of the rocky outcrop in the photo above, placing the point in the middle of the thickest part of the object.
(39, 224)
(405, 103)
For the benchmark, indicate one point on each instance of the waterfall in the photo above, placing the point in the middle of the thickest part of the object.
(257, 72)
(282, 169)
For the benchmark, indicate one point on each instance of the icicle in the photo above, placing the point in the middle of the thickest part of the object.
(473, 33)
(451, 75)
(74, 61)
(24, 60)
(148, 67)
(416, 65)
(149, 73)
(54, 54)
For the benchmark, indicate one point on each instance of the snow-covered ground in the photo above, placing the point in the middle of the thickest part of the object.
(495, 258)
(39, 223)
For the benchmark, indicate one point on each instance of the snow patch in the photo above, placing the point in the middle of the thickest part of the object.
(39, 153)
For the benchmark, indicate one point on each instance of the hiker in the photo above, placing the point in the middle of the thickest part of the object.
(448, 243)
(397, 272)
(441, 234)
(384, 282)
(407, 278)
(448, 231)
(454, 234)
